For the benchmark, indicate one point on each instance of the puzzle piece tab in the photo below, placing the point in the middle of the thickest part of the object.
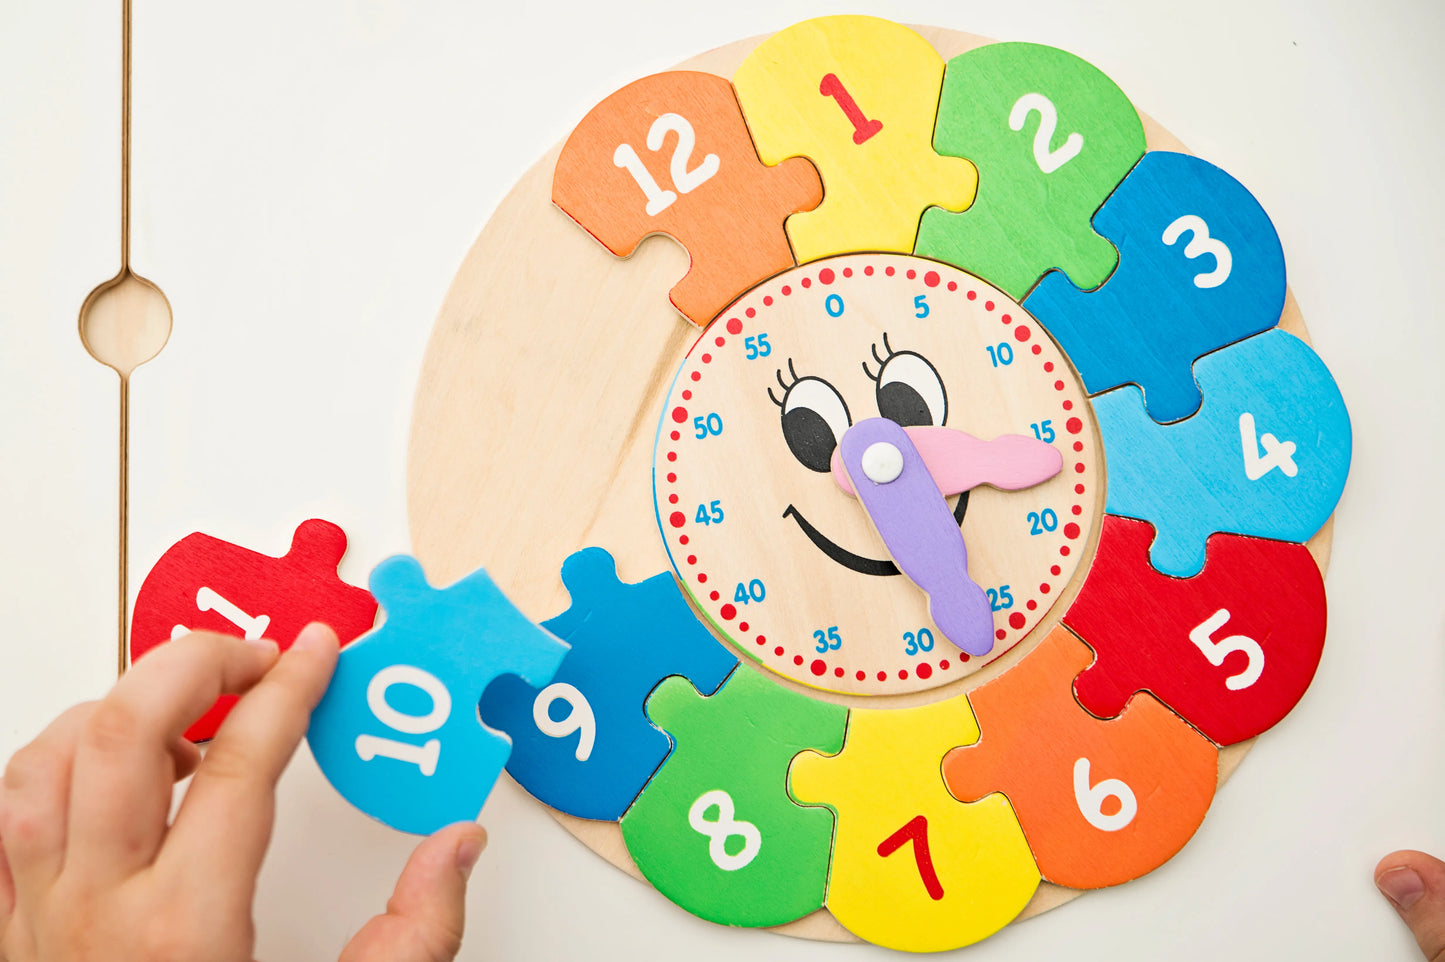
(397, 732)
(716, 830)
(1200, 266)
(617, 178)
(593, 760)
(1051, 137)
(1267, 454)
(1231, 650)
(914, 868)
(858, 97)
(203, 583)
(1101, 802)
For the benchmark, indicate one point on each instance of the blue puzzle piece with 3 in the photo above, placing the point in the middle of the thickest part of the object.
(583, 744)
(397, 733)
(1266, 455)
(1200, 266)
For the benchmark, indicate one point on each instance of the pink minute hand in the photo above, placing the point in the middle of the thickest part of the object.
(960, 461)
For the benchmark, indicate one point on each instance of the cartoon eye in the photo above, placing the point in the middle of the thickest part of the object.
(814, 418)
(910, 392)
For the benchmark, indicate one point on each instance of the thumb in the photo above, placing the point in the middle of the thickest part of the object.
(425, 916)
(1415, 885)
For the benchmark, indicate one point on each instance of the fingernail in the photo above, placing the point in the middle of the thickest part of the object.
(314, 636)
(468, 852)
(1402, 886)
(264, 644)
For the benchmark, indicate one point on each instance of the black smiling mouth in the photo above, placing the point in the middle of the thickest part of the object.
(856, 562)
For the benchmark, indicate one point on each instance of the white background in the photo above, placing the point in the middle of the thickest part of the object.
(307, 179)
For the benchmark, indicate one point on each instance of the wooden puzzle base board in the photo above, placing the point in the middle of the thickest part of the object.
(549, 359)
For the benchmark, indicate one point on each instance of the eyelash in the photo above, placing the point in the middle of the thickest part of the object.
(786, 387)
(881, 360)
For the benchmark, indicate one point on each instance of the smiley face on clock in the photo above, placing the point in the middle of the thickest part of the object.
(875, 473)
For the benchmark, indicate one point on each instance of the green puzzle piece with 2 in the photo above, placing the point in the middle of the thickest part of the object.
(716, 830)
(1051, 137)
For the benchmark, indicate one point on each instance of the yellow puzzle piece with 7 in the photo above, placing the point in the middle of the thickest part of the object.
(914, 868)
(858, 97)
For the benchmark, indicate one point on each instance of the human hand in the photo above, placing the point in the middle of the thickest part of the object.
(90, 866)
(1415, 885)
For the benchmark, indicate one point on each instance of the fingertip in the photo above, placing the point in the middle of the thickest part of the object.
(316, 637)
(470, 845)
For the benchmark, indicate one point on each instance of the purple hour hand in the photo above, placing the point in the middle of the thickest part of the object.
(907, 508)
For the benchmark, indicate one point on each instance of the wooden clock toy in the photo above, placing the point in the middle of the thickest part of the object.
(938, 520)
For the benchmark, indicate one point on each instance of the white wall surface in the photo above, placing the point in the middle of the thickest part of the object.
(308, 177)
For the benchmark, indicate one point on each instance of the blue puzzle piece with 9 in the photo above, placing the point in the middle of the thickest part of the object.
(397, 732)
(1200, 266)
(595, 758)
(1266, 455)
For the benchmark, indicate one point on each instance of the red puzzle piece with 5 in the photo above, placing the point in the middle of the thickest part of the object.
(1231, 650)
(205, 584)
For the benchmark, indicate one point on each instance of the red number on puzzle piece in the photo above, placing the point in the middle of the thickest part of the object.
(1232, 649)
(863, 128)
(204, 584)
(915, 830)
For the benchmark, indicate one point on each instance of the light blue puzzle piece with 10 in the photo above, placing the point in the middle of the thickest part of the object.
(1266, 455)
(397, 733)
(1200, 266)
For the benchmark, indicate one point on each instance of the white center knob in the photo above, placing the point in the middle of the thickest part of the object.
(882, 462)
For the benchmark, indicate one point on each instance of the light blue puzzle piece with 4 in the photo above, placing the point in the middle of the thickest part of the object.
(1200, 266)
(583, 743)
(397, 732)
(1266, 455)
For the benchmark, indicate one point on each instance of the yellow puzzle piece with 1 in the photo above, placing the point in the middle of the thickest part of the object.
(858, 96)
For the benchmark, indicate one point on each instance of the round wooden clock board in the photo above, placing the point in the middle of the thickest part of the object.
(535, 434)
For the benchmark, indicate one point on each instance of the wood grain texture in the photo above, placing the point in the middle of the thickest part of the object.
(670, 154)
(550, 359)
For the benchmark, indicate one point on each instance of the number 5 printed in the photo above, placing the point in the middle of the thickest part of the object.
(1216, 651)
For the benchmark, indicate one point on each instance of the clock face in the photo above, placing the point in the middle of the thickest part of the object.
(757, 508)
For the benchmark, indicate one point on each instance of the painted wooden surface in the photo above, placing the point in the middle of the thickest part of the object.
(380, 68)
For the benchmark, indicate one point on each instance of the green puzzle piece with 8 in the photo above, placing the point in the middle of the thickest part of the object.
(716, 830)
(1051, 137)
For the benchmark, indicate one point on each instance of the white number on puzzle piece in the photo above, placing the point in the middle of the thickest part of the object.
(1091, 798)
(1048, 160)
(208, 599)
(579, 719)
(1276, 453)
(423, 756)
(1201, 243)
(685, 180)
(725, 827)
(1216, 651)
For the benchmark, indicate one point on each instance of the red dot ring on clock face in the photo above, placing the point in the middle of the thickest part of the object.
(780, 558)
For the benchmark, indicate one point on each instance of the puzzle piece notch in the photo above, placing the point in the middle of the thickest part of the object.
(202, 583)
(1200, 267)
(858, 97)
(716, 830)
(1101, 802)
(1212, 472)
(913, 868)
(625, 638)
(1231, 650)
(397, 732)
(1052, 137)
(713, 196)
